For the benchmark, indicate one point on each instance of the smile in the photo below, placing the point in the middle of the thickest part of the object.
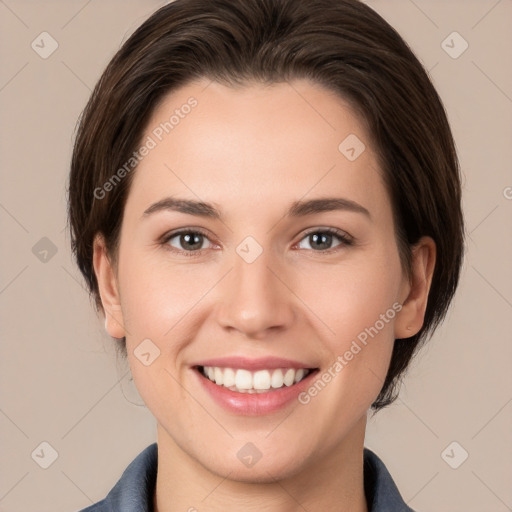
(254, 386)
(262, 381)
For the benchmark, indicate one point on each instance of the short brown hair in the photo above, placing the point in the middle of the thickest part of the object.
(341, 44)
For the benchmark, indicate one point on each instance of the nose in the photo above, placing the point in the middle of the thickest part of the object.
(256, 299)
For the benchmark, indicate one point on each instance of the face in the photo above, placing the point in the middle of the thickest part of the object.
(257, 247)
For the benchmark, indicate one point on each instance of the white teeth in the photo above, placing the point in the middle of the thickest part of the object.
(261, 380)
(219, 376)
(229, 377)
(289, 377)
(277, 379)
(244, 381)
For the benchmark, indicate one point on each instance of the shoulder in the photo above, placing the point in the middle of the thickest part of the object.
(101, 506)
(134, 490)
(382, 494)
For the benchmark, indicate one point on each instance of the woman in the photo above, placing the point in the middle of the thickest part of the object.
(265, 202)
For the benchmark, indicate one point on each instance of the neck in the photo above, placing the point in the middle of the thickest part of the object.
(332, 481)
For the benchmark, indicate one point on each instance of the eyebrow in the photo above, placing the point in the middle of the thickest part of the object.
(297, 209)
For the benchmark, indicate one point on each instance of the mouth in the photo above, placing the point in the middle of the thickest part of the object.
(241, 380)
(253, 386)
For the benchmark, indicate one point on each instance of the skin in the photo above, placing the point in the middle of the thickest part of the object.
(251, 152)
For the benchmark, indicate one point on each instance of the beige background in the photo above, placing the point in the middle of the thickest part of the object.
(59, 379)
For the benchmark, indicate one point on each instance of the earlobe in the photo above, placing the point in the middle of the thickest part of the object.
(108, 288)
(411, 317)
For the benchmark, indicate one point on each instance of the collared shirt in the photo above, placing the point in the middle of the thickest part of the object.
(135, 489)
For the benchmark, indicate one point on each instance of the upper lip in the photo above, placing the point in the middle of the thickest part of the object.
(246, 363)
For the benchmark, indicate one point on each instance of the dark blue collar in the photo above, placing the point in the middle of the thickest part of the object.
(134, 490)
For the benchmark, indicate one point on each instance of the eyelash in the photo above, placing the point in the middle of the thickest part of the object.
(345, 240)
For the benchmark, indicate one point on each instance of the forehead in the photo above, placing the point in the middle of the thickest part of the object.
(257, 142)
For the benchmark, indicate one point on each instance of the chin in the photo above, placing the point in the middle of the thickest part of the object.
(265, 471)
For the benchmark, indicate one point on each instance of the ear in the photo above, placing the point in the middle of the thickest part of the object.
(414, 293)
(108, 288)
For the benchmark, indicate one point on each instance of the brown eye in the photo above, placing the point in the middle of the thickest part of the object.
(323, 240)
(189, 241)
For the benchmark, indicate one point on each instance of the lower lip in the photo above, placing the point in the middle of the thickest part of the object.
(254, 404)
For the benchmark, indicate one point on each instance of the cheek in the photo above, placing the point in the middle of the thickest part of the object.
(358, 305)
(157, 297)
(162, 310)
(360, 310)
(349, 298)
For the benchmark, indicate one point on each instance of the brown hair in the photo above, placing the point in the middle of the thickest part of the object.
(340, 44)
